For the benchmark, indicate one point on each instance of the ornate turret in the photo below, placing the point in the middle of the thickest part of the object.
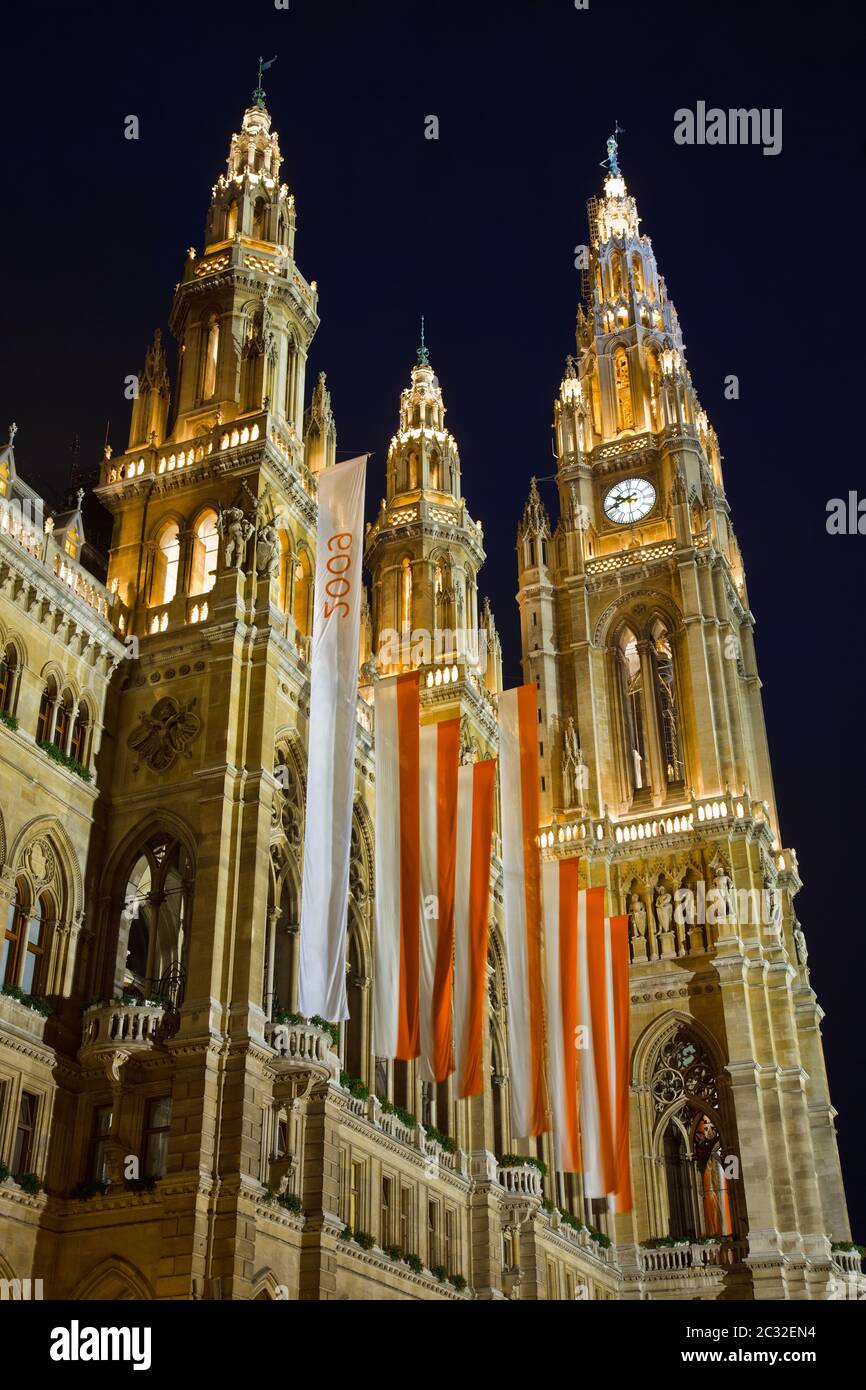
(150, 408)
(320, 431)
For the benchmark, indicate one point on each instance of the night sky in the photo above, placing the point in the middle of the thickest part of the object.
(477, 231)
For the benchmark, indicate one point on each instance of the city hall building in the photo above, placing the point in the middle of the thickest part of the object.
(170, 1126)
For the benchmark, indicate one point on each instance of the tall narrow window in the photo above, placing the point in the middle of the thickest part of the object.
(166, 565)
(231, 220)
(78, 740)
(211, 354)
(11, 942)
(387, 1213)
(25, 1134)
(667, 704)
(435, 481)
(62, 721)
(406, 593)
(206, 554)
(303, 594)
(405, 1218)
(8, 671)
(634, 710)
(154, 1146)
(637, 272)
(678, 1176)
(46, 711)
(433, 1252)
(34, 950)
(356, 1196)
(622, 383)
(259, 216)
(99, 1143)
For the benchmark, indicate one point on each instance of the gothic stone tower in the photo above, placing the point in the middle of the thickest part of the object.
(424, 552)
(655, 770)
(212, 561)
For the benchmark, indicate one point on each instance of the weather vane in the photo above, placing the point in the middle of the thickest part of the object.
(612, 161)
(423, 354)
(259, 93)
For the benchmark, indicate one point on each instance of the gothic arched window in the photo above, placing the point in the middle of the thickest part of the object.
(205, 554)
(634, 701)
(637, 272)
(8, 679)
(303, 606)
(669, 720)
(46, 711)
(23, 948)
(259, 216)
(435, 481)
(685, 1101)
(231, 220)
(62, 721)
(78, 741)
(155, 920)
(166, 565)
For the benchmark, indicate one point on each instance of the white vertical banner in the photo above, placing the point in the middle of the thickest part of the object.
(331, 746)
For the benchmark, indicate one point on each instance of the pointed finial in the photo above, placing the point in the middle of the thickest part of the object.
(13, 430)
(259, 93)
(80, 497)
(423, 354)
(612, 161)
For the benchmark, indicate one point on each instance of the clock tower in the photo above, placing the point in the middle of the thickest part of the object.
(655, 771)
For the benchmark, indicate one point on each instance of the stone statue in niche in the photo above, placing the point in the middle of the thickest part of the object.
(268, 552)
(637, 917)
(664, 908)
(235, 530)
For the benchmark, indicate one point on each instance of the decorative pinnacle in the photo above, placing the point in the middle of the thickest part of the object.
(423, 353)
(612, 161)
(259, 93)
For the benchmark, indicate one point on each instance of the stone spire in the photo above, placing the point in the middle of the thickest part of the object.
(320, 431)
(536, 522)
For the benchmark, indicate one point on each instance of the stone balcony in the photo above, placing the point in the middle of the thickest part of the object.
(303, 1048)
(523, 1181)
(112, 1028)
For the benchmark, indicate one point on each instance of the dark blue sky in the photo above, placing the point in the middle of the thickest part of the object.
(477, 231)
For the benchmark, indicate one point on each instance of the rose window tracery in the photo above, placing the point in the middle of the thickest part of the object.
(683, 1069)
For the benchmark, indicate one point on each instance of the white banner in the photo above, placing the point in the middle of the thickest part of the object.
(331, 750)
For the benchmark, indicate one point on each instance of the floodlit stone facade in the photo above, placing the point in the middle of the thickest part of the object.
(170, 1128)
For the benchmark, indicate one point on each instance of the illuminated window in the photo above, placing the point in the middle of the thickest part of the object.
(46, 711)
(303, 604)
(166, 565)
(211, 355)
(231, 220)
(622, 382)
(70, 545)
(206, 554)
(406, 593)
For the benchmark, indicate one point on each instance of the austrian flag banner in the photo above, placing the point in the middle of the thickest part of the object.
(396, 1003)
(475, 786)
(440, 759)
(331, 756)
(588, 1045)
(521, 866)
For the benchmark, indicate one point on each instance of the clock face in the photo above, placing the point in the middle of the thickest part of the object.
(629, 500)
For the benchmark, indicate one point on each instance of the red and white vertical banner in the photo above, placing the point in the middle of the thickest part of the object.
(586, 956)
(521, 864)
(396, 986)
(475, 788)
(620, 1053)
(331, 748)
(603, 1006)
(560, 881)
(440, 760)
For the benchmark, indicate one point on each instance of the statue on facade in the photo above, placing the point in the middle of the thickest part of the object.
(637, 917)
(235, 530)
(664, 908)
(268, 552)
(800, 944)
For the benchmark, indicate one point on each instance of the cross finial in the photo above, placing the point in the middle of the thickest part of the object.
(423, 354)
